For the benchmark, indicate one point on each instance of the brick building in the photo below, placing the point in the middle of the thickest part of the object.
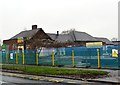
(35, 38)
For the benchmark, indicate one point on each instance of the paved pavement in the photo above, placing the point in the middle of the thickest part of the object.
(114, 76)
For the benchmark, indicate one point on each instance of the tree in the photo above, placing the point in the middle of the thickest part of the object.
(114, 39)
(0, 44)
(67, 31)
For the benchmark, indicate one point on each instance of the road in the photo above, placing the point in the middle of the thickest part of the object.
(19, 81)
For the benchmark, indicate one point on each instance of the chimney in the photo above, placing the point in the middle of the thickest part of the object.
(34, 27)
(57, 33)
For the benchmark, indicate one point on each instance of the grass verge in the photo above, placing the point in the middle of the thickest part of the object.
(38, 70)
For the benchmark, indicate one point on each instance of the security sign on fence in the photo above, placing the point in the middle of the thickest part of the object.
(114, 53)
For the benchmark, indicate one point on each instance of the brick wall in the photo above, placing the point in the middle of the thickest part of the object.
(11, 44)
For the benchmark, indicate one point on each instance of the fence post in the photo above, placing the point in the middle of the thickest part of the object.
(36, 58)
(6, 57)
(98, 53)
(16, 57)
(73, 57)
(52, 58)
(23, 62)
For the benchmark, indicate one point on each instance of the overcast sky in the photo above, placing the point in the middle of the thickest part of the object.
(99, 18)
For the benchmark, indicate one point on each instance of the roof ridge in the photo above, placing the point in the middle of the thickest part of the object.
(29, 30)
(85, 33)
(23, 33)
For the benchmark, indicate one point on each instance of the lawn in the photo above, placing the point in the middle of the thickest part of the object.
(38, 70)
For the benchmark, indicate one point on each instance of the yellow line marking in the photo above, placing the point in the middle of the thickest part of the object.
(36, 78)
(53, 80)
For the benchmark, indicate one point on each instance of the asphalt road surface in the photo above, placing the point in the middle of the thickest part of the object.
(19, 81)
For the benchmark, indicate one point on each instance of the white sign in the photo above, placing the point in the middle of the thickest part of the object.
(11, 55)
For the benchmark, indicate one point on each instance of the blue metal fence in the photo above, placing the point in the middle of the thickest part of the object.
(83, 57)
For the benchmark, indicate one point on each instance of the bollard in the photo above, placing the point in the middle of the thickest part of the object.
(16, 57)
(53, 58)
(6, 57)
(73, 57)
(98, 52)
(36, 58)
(23, 62)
